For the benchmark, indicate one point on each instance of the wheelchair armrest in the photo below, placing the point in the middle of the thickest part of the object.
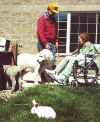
(89, 55)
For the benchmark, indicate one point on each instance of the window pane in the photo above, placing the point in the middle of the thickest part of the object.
(83, 28)
(62, 33)
(74, 38)
(99, 19)
(91, 28)
(92, 18)
(62, 49)
(75, 18)
(92, 37)
(74, 28)
(98, 39)
(62, 25)
(83, 19)
(62, 41)
(62, 16)
(73, 47)
(98, 28)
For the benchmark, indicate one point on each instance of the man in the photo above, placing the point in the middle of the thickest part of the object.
(63, 71)
(46, 31)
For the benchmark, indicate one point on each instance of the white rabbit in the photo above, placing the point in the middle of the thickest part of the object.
(43, 111)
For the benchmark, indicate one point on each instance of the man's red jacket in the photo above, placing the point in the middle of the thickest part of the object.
(46, 29)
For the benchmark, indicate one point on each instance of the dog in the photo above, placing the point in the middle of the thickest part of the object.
(39, 62)
(35, 64)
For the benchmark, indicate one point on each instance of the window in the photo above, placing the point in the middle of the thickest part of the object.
(69, 28)
(62, 31)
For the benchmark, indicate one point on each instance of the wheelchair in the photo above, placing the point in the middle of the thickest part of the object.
(86, 74)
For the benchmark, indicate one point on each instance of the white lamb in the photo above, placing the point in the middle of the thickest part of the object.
(13, 75)
(43, 111)
(38, 61)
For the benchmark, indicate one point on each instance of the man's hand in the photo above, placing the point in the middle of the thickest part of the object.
(47, 47)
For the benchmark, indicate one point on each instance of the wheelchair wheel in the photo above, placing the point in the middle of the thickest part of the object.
(87, 74)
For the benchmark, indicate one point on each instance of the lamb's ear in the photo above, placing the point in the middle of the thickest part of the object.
(33, 101)
(36, 105)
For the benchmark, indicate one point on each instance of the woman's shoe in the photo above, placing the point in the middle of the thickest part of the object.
(50, 72)
(62, 79)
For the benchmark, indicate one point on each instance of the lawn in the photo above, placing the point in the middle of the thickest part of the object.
(71, 104)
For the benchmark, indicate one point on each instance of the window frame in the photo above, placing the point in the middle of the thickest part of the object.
(68, 32)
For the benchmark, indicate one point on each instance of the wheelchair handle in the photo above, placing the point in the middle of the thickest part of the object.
(89, 55)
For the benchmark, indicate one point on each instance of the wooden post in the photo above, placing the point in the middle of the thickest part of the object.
(2, 81)
(14, 52)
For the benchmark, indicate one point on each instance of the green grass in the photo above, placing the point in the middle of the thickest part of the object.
(71, 104)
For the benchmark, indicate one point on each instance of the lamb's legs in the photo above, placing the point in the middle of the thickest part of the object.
(20, 83)
(13, 83)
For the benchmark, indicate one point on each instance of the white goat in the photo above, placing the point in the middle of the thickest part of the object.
(35, 61)
(43, 111)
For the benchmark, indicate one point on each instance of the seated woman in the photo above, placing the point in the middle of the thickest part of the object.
(63, 70)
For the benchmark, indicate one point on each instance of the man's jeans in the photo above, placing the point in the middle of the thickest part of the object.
(52, 48)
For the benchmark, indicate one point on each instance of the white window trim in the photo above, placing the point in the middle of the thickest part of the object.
(68, 32)
(96, 28)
